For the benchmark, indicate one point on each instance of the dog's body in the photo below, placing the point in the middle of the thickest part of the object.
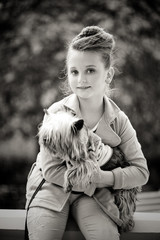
(65, 136)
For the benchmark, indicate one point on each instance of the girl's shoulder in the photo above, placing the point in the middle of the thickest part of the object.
(122, 124)
(113, 111)
(118, 118)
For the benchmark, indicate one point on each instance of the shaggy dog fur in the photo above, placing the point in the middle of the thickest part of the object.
(67, 138)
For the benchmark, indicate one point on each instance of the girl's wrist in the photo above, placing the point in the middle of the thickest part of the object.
(106, 178)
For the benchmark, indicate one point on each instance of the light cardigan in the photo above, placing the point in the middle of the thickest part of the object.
(114, 129)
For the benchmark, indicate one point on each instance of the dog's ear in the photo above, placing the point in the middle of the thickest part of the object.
(46, 111)
(78, 125)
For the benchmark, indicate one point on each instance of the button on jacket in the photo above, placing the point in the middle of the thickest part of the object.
(114, 129)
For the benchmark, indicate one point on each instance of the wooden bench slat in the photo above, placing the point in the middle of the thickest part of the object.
(148, 195)
(148, 201)
(148, 208)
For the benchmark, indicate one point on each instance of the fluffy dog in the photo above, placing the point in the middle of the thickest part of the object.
(66, 137)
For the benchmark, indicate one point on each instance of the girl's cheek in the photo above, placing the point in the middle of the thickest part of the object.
(72, 82)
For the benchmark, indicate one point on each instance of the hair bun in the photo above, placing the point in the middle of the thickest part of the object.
(93, 37)
(89, 31)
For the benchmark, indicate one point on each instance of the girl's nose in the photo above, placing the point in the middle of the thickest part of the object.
(81, 78)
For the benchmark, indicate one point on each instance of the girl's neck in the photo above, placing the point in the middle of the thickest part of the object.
(91, 111)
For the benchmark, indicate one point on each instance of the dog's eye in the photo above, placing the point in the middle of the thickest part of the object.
(69, 163)
(44, 140)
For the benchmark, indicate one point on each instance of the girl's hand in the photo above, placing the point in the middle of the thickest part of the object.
(104, 179)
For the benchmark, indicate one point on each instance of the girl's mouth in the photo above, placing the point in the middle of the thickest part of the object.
(83, 87)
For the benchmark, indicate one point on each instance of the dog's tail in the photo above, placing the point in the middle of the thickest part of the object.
(126, 202)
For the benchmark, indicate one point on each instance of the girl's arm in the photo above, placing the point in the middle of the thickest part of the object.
(137, 173)
(53, 169)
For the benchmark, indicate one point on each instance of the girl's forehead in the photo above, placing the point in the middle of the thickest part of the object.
(83, 57)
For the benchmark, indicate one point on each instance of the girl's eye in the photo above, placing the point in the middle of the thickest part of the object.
(74, 72)
(91, 70)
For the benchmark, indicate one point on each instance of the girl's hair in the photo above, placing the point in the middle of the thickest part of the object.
(92, 38)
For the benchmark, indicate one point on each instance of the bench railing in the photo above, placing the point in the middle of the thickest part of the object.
(15, 220)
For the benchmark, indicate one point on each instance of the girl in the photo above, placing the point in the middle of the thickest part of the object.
(90, 71)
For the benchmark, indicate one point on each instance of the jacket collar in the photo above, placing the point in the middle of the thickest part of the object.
(110, 113)
(104, 129)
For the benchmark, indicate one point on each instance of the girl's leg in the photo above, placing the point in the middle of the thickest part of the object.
(92, 221)
(45, 224)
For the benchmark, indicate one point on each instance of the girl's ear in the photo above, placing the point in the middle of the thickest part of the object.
(78, 125)
(110, 75)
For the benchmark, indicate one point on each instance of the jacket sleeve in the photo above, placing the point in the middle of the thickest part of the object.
(137, 173)
(53, 169)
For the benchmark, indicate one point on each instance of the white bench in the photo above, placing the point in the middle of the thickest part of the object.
(147, 222)
(12, 222)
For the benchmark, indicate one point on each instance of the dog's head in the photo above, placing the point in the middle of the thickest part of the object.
(64, 134)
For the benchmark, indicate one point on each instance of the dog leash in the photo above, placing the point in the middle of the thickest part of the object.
(33, 196)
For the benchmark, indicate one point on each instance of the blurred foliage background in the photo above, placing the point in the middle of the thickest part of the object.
(33, 42)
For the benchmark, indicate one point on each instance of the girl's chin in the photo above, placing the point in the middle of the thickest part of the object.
(83, 93)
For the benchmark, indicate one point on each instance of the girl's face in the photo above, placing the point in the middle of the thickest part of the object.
(87, 74)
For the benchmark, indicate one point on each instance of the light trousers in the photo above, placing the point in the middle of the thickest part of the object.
(45, 224)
